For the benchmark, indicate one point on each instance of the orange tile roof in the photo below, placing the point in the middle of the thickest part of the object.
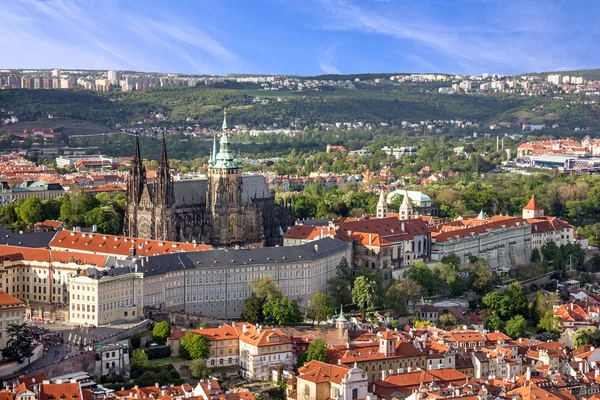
(60, 391)
(308, 232)
(317, 372)
(118, 245)
(533, 392)
(533, 205)
(260, 337)
(223, 332)
(44, 255)
(8, 300)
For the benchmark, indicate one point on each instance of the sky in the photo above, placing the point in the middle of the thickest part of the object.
(301, 37)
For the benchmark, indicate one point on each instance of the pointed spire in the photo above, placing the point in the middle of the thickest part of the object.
(224, 127)
(136, 149)
(481, 215)
(163, 152)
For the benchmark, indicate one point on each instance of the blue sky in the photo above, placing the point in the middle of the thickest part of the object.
(301, 37)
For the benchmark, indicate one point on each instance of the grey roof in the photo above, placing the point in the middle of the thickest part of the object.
(36, 239)
(190, 192)
(161, 264)
(194, 191)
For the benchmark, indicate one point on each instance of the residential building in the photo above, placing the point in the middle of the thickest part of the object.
(12, 311)
(262, 351)
(320, 381)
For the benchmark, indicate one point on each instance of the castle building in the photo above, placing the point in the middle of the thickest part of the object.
(227, 209)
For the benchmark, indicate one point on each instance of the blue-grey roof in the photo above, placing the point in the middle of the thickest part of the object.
(36, 239)
(161, 264)
(194, 191)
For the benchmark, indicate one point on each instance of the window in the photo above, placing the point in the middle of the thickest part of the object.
(354, 394)
(306, 390)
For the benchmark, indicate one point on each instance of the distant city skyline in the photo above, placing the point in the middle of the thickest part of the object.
(307, 37)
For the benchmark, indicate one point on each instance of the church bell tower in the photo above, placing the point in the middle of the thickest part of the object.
(224, 197)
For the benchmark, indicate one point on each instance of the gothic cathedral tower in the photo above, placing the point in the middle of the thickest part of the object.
(136, 181)
(164, 198)
(224, 197)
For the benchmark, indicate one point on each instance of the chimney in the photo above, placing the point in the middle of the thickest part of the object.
(244, 328)
(383, 375)
(132, 251)
(528, 374)
(403, 226)
(316, 248)
(157, 385)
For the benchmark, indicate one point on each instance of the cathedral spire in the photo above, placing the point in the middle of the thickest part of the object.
(163, 162)
(224, 127)
(163, 177)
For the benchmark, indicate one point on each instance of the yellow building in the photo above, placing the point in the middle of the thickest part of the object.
(12, 311)
(109, 296)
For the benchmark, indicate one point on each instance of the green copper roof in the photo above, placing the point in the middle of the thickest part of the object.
(224, 159)
(341, 318)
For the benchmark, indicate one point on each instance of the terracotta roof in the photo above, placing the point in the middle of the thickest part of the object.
(533, 392)
(308, 232)
(8, 300)
(260, 337)
(60, 391)
(223, 332)
(317, 372)
(533, 205)
(44, 255)
(98, 243)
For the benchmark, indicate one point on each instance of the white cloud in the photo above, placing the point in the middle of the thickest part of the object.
(327, 58)
(480, 45)
(78, 34)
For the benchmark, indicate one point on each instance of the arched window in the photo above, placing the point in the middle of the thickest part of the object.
(231, 222)
(231, 193)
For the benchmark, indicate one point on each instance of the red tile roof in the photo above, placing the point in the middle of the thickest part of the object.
(98, 243)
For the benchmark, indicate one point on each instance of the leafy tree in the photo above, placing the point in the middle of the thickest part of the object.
(421, 324)
(161, 331)
(401, 293)
(448, 319)
(317, 350)
(30, 211)
(544, 304)
(339, 291)
(516, 327)
(320, 307)
(282, 311)
(586, 336)
(550, 323)
(483, 277)
(344, 271)
(51, 209)
(19, 345)
(494, 323)
(202, 325)
(253, 310)
(139, 359)
(266, 289)
(536, 257)
(107, 221)
(199, 369)
(425, 276)
(452, 260)
(363, 294)
(514, 301)
(194, 346)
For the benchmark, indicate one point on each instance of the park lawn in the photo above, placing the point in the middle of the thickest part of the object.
(164, 361)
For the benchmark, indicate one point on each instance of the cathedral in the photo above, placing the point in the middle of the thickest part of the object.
(227, 209)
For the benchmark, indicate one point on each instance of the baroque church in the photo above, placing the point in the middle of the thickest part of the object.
(227, 209)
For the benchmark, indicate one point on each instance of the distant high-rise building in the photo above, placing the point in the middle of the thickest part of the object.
(113, 77)
(555, 79)
(56, 73)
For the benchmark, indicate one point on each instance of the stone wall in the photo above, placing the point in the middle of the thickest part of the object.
(83, 362)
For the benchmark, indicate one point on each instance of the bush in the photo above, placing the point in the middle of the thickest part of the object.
(157, 352)
(136, 338)
(163, 375)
